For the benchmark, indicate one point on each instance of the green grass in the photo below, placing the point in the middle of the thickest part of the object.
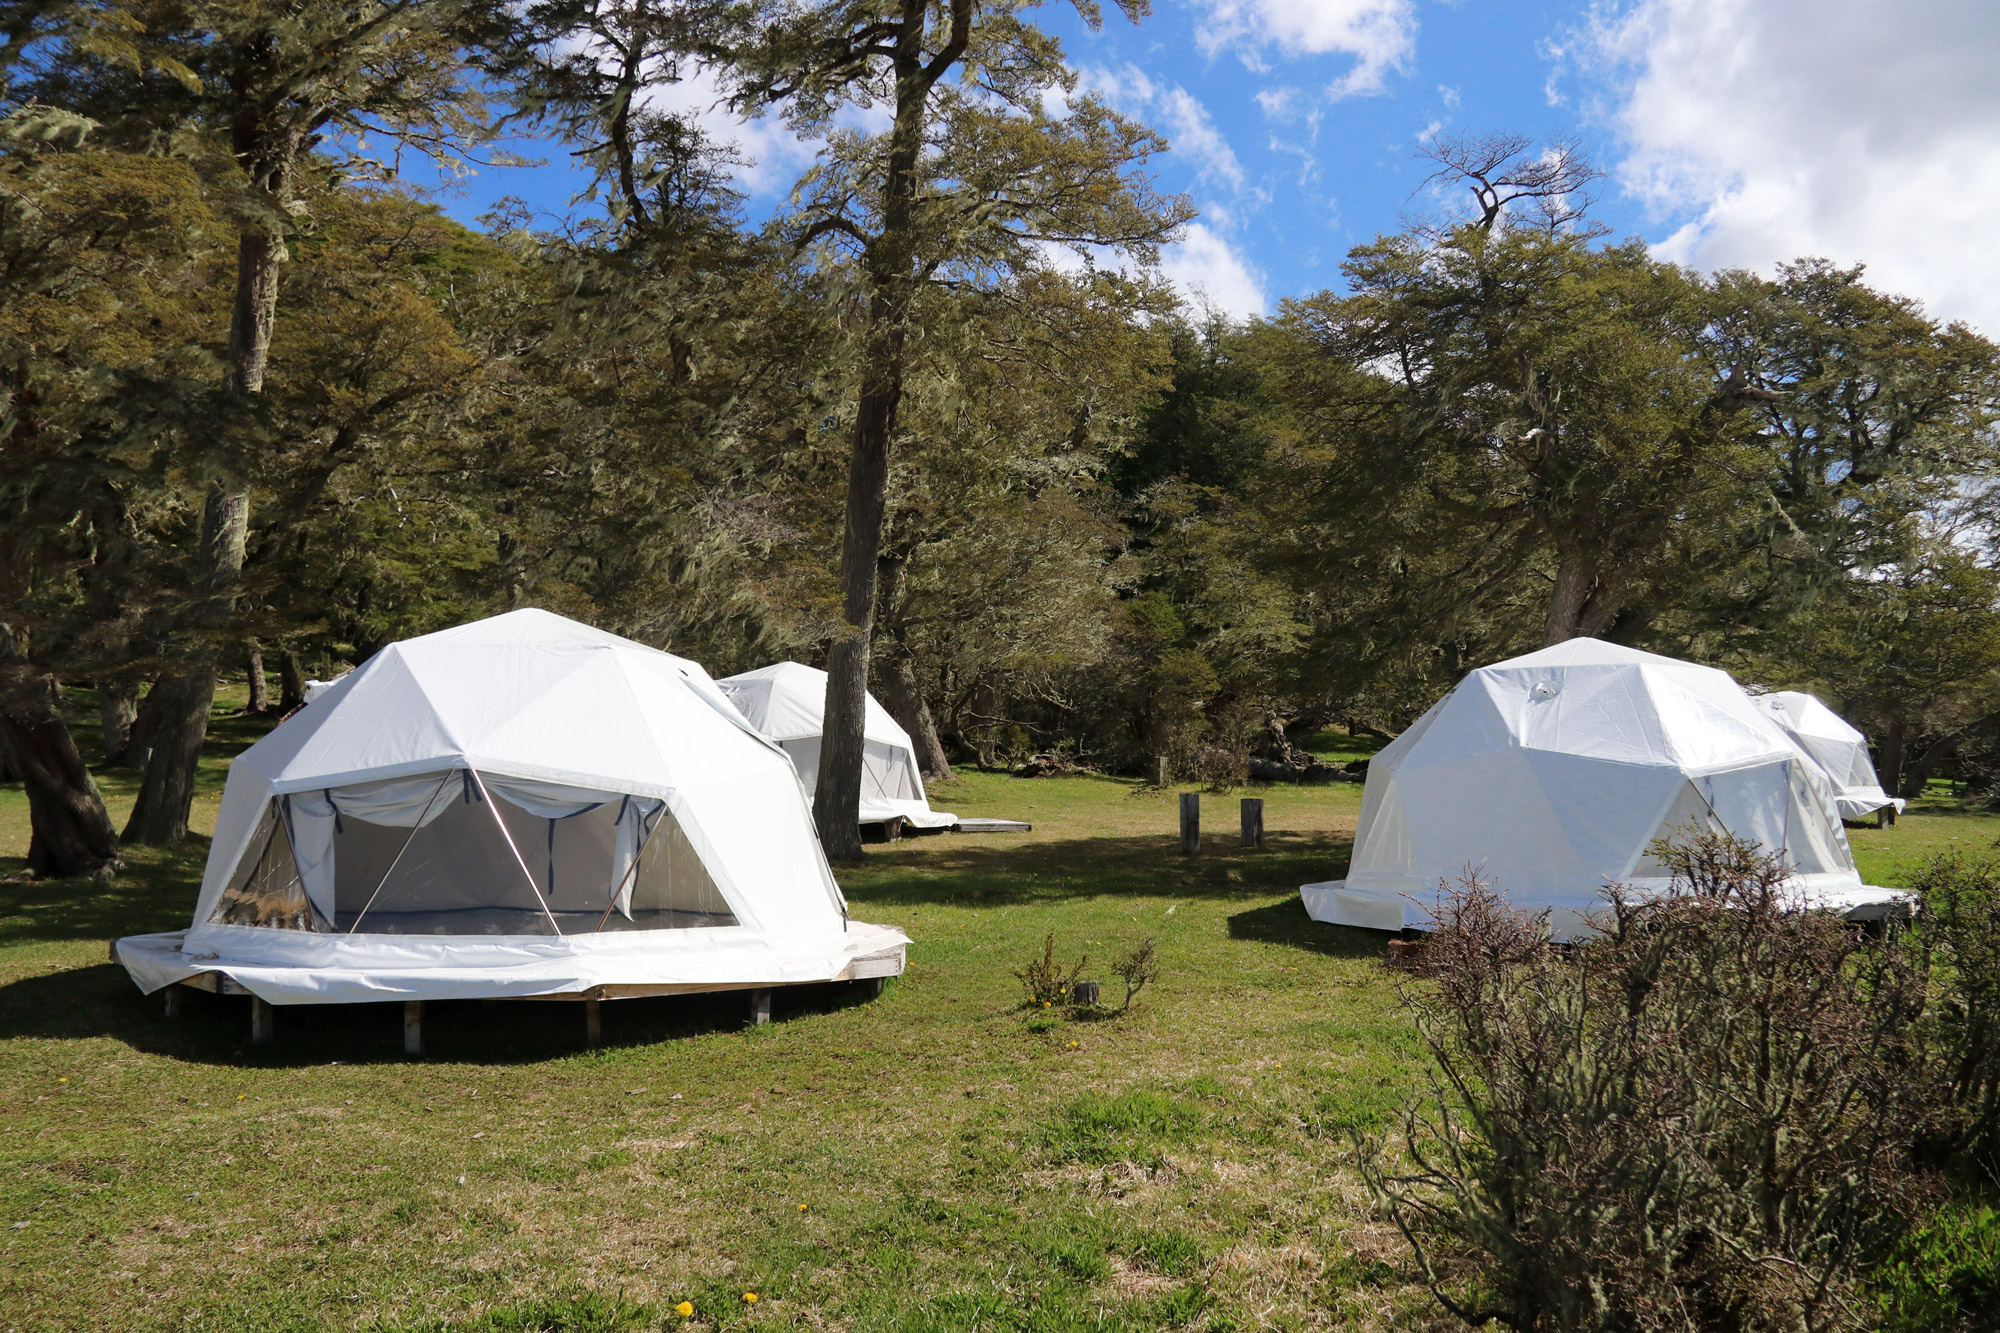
(963, 1162)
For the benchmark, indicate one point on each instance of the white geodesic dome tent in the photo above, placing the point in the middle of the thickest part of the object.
(786, 701)
(1551, 774)
(519, 806)
(1839, 749)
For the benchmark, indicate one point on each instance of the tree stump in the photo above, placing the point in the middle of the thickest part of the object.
(1084, 994)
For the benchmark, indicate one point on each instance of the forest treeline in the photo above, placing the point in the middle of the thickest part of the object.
(267, 408)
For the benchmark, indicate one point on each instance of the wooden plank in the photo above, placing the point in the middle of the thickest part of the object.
(994, 826)
(1190, 822)
(263, 1023)
(413, 1027)
(1253, 821)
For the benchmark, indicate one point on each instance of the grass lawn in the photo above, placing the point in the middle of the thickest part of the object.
(941, 1158)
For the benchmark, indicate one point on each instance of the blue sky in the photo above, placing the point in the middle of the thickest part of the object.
(1736, 132)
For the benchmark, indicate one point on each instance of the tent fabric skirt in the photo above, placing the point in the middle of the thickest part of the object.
(297, 967)
(1339, 903)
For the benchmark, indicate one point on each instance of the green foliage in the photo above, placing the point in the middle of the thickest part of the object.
(1961, 920)
(1945, 1278)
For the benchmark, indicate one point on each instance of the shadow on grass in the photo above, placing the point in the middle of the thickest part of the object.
(1287, 923)
(970, 872)
(101, 1001)
(155, 891)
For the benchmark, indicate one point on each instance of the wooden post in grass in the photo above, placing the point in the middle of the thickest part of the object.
(760, 1007)
(413, 1027)
(1161, 774)
(1190, 822)
(593, 1020)
(1253, 821)
(263, 1022)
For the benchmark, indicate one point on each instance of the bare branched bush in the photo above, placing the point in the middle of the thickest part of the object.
(1961, 924)
(1046, 980)
(1697, 1119)
(1135, 969)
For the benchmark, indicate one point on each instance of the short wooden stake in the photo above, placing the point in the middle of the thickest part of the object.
(1253, 821)
(1084, 995)
(593, 1020)
(174, 1000)
(760, 1007)
(263, 1022)
(1161, 774)
(1190, 822)
(413, 1027)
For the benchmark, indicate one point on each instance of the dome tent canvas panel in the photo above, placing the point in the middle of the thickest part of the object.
(786, 701)
(1551, 774)
(526, 781)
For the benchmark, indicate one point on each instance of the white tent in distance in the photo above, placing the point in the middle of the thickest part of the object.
(786, 701)
(519, 806)
(1839, 750)
(1552, 774)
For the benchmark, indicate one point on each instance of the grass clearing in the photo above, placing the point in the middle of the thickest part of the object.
(942, 1158)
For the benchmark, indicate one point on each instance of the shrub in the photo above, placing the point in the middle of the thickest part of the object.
(1698, 1119)
(1135, 969)
(1961, 923)
(1045, 979)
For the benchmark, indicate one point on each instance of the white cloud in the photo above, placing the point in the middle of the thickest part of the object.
(1378, 35)
(1178, 113)
(1207, 271)
(1852, 129)
(774, 157)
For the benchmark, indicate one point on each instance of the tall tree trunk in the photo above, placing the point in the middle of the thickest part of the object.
(260, 690)
(890, 261)
(291, 684)
(1574, 579)
(117, 711)
(837, 798)
(166, 792)
(70, 831)
(1895, 741)
(896, 680)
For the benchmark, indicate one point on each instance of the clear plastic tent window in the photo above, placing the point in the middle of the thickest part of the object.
(465, 853)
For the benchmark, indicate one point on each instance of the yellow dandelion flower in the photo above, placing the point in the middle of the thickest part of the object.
(62, 1080)
(749, 1298)
(685, 1309)
(802, 1208)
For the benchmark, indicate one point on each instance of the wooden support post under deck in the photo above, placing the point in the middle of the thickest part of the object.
(593, 1020)
(173, 994)
(263, 1022)
(760, 1007)
(1190, 822)
(1253, 821)
(413, 1027)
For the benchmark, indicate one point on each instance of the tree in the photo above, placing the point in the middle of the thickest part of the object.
(972, 177)
(1526, 389)
(102, 257)
(1914, 651)
(275, 88)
